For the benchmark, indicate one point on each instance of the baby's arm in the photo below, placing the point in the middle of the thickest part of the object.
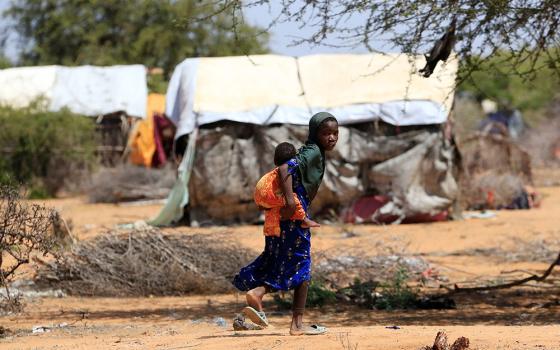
(286, 185)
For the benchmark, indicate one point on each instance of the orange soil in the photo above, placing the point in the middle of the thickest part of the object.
(522, 318)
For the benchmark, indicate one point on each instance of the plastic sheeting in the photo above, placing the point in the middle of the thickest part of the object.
(416, 170)
(86, 90)
(269, 89)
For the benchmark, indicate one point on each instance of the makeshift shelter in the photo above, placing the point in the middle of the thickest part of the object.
(497, 173)
(112, 94)
(234, 110)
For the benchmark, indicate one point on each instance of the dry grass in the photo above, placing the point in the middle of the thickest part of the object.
(145, 262)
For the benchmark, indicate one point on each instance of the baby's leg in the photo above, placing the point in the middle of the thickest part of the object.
(300, 214)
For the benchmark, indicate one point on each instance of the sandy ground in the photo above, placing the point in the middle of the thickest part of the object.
(522, 318)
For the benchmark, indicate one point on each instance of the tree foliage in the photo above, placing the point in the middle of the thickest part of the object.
(44, 150)
(494, 82)
(107, 32)
(527, 30)
(4, 62)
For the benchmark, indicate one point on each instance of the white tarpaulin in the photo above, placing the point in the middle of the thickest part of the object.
(86, 90)
(268, 89)
(19, 87)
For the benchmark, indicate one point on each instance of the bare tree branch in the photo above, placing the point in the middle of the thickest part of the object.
(456, 289)
(527, 30)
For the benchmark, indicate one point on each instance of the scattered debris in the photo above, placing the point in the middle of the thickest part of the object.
(46, 329)
(485, 214)
(137, 225)
(239, 324)
(220, 322)
(217, 321)
(440, 343)
(393, 327)
(349, 234)
(40, 329)
(460, 344)
(4, 332)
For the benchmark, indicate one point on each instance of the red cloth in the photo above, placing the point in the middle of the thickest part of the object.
(364, 209)
(162, 127)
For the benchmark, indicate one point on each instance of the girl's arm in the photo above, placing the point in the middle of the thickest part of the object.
(286, 185)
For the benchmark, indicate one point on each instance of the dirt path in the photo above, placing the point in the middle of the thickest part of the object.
(177, 323)
(466, 251)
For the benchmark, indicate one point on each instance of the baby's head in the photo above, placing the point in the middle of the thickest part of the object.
(283, 153)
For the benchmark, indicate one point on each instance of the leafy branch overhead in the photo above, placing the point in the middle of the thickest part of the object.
(99, 32)
(527, 30)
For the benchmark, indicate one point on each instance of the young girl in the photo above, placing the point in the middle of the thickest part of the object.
(285, 263)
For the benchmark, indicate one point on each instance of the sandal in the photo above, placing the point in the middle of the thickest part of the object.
(239, 324)
(258, 317)
(314, 329)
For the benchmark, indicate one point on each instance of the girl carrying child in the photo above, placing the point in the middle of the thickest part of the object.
(285, 263)
(270, 197)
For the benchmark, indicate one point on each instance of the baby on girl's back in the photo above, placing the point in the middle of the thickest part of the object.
(270, 198)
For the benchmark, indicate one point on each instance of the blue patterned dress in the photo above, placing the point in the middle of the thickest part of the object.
(286, 260)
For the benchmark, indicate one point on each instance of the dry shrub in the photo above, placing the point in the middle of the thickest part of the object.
(24, 230)
(341, 270)
(146, 262)
(129, 183)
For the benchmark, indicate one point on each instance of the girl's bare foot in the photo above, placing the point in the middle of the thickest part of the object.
(297, 327)
(307, 223)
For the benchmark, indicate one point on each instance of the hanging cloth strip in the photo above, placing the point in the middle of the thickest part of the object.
(178, 198)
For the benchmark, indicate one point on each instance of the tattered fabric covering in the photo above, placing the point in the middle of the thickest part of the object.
(269, 89)
(141, 141)
(86, 90)
(415, 168)
(496, 169)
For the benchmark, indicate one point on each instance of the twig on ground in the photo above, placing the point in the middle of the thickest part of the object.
(537, 278)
